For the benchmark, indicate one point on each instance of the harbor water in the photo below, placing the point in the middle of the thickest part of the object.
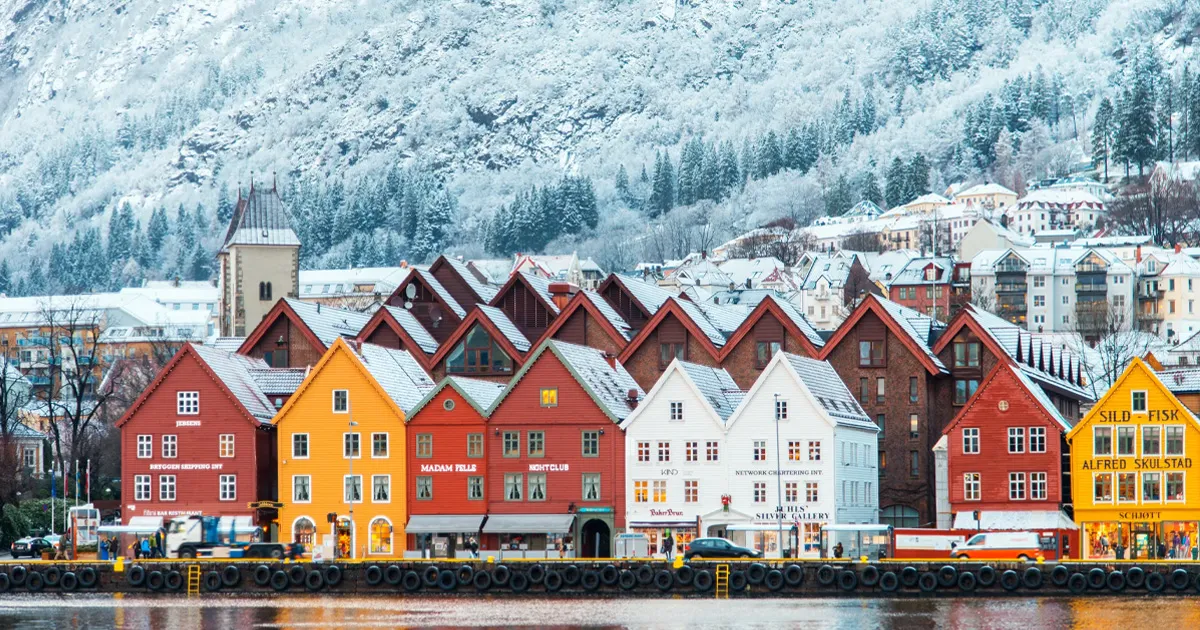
(232, 613)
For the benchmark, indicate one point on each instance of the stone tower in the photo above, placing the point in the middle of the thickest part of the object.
(259, 261)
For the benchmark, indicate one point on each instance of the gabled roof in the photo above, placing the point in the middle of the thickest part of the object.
(820, 383)
(610, 321)
(478, 393)
(1035, 392)
(714, 387)
(506, 327)
(436, 286)
(788, 315)
(484, 291)
(278, 381)
(260, 219)
(403, 323)
(915, 330)
(648, 297)
(1136, 365)
(320, 324)
(536, 284)
(488, 319)
(607, 313)
(687, 317)
(607, 385)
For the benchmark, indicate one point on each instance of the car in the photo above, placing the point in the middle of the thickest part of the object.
(29, 546)
(701, 548)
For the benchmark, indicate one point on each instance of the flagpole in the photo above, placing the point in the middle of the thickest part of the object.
(88, 479)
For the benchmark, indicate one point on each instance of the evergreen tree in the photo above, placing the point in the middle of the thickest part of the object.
(1135, 136)
(868, 188)
(157, 229)
(433, 227)
(224, 205)
(662, 191)
(622, 186)
(896, 186)
(731, 175)
(838, 197)
(6, 286)
(770, 155)
(145, 258)
(1165, 141)
(120, 234)
(1193, 117)
(918, 177)
(1102, 134)
(184, 226)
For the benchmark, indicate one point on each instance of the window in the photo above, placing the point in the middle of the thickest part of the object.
(145, 446)
(1037, 486)
(712, 453)
(763, 351)
(914, 464)
(352, 488)
(300, 446)
(912, 389)
(1127, 487)
(781, 410)
(1151, 441)
(1175, 487)
(537, 486)
(549, 396)
(971, 486)
(814, 450)
(794, 450)
(791, 492)
(591, 443)
(811, 492)
(870, 353)
(914, 426)
(760, 492)
(341, 401)
(760, 450)
(29, 457)
(228, 485)
(882, 463)
(664, 451)
(512, 444)
(591, 486)
(424, 488)
(1016, 439)
(350, 446)
(966, 354)
(474, 445)
(1102, 442)
(513, 486)
(880, 420)
(479, 354)
(970, 441)
(1174, 440)
(1039, 301)
(676, 411)
(1037, 439)
(141, 487)
(301, 489)
(643, 451)
(660, 491)
(641, 492)
(475, 488)
(225, 445)
(187, 403)
(1039, 282)
(1102, 488)
(1151, 487)
(424, 445)
(537, 443)
(964, 389)
(864, 390)
(900, 516)
(1138, 404)
(381, 488)
(1016, 486)
(691, 451)
(170, 446)
(879, 390)
(1066, 299)
(670, 351)
(166, 487)
(1126, 441)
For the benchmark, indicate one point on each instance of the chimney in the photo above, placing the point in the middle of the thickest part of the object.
(1178, 248)
(612, 359)
(1137, 256)
(561, 292)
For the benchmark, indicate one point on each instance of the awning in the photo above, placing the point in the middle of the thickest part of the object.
(528, 523)
(1016, 520)
(137, 525)
(438, 524)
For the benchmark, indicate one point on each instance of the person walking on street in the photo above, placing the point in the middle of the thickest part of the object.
(668, 545)
(473, 545)
(145, 547)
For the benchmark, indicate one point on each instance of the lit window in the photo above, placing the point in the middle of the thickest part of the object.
(549, 396)
(971, 486)
(641, 492)
(795, 451)
(660, 491)
(226, 445)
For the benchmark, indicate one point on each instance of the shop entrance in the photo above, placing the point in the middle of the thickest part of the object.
(597, 539)
(344, 535)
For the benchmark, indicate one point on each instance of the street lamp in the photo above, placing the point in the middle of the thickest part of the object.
(778, 480)
(353, 487)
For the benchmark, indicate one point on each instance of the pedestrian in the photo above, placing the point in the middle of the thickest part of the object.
(145, 548)
(473, 545)
(137, 549)
(837, 550)
(668, 545)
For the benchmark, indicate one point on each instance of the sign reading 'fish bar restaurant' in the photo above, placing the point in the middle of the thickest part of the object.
(1136, 495)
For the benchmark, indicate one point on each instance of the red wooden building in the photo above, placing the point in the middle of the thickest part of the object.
(556, 455)
(447, 465)
(532, 302)
(422, 294)
(635, 301)
(296, 334)
(198, 440)
(486, 345)
(396, 327)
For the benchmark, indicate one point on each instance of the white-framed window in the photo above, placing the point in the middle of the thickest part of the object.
(664, 451)
(299, 446)
(1176, 491)
(691, 491)
(1102, 490)
(1151, 487)
(1102, 442)
(760, 492)
(970, 445)
(187, 403)
(350, 446)
(1137, 403)
(225, 445)
(141, 487)
(341, 401)
(352, 489)
(1126, 441)
(676, 411)
(691, 451)
(301, 489)
(781, 408)
(1037, 439)
(1174, 438)
(1037, 486)
(812, 492)
(1016, 439)
(814, 450)
(643, 451)
(1151, 440)
(712, 451)
(971, 486)
(1016, 486)
(145, 447)
(166, 487)
(760, 450)
(381, 488)
(170, 446)
(228, 487)
(641, 492)
(29, 457)
(379, 445)
(1039, 301)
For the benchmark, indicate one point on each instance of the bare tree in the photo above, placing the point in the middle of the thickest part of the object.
(16, 393)
(1105, 332)
(1166, 209)
(933, 234)
(862, 241)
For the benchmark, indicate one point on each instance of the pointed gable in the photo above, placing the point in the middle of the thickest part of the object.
(634, 300)
(260, 219)
(588, 320)
(462, 284)
(526, 300)
(296, 334)
(1138, 376)
(502, 333)
(430, 302)
(607, 383)
(916, 331)
(394, 327)
(713, 388)
(1003, 383)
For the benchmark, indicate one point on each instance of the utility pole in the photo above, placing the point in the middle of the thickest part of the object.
(353, 486)
(778, 479)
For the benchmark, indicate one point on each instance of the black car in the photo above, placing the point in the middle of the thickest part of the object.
(701, 548)
(29, 546)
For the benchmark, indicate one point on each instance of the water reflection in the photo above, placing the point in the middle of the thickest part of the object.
(224, 613)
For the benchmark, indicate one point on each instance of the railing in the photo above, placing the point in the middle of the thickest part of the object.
(1155, 316)
(1091, 287)
(1149, 294)
(1012, 287)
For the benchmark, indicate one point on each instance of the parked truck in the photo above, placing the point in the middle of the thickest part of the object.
(197, 536)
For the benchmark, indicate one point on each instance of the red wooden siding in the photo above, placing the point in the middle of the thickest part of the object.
(426, 308)
(624, 304)
(525, 309)
(449, 430)
(299, 349)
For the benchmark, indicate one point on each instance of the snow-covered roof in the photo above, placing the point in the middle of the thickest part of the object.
(278, 381)
(436, 287)
(236, 372)
(495, 270)
(484, 290)
(413, 327)
(328, 323)
(717, 387)
(1040, 396)
(830, 391)
(260, 219)
(703, 273)
(834, 268)
(1181, 380)
(651, 296)
(332, 282)
(609, 313)
(864, 208)
(505, 326)
(753, 269)
(913, 272)
(608, 385)
(541, 286)
(230, 344)
(918, 326)
(482, 393)
(397, 372)
(799, 320)
(1014, 341)
(991, 188)
(1058, 197)
(933, 198)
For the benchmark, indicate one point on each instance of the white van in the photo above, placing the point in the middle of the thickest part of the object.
(998, 546)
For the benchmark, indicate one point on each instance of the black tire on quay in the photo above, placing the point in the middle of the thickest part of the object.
(553, 582)
(869, 577)
(52, 576)
(296, 574)
(314, 581)
(280, 581)
(392, 574)
(774, 579)
(684, 575)
(664, 580)
(373, 575)
(609, 575)
(88, 577)
(909, 576)
(5, 583)
(967, 581)
(570, 575)
(756, 573)
(1009, 580)
(482, 580)
(947, 576)
(1032, 578)
(1155, 582)
(212, 581)
(518, 582)
(173, 581)
(501, 574)
(154, 580)
(889, 582)
(793, 575)
(1059, 575)
(262, 575)
(447, 580)
(703, 581)
(429, 576)
(1077, 583)
(738, 581)
(590, 580)
(68, 582)
(465, 573)
(826, 575)
(627, 580)
(19, 573)
(847, 580)
(645, 575)
(928, 582)
(1179, 579)
(333, 575)
(987, 576)
(1135, 577)
(231, 576)
(1115, 581)
(34, 582)
(411, 581)
(536, 574)
(1095, 578)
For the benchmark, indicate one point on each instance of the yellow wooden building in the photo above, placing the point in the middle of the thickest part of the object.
(1135, 492)
(341, 451)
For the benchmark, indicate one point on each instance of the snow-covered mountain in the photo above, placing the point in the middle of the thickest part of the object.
(159, 103)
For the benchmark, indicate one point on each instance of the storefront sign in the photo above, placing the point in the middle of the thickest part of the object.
(792, 513)
(594, 510)
(1129, 463)
(772, 473)
(187, 423)
(171, 512)
(186, 466)
(666, 512)
(1139, 516)
(549, 467)
(1154, 415)
(448, 467)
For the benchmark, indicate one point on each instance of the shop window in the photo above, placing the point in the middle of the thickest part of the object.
(900, 516)
(1151, 487)
(641, 492)
(1151, 441)
(1127, 487)
(1175, 487)
(475, 488)
(1126, 441)
(1174, 440)
(1016, 486)
(478, 354)
(1102, 442)
(381, 536)
(513, 486)
(971, 486)
(1102, 488)
(1138, 402)
(303, 530)
(591, 486)
(871, 353)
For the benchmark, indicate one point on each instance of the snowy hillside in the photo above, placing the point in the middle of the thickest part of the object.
(161, 103)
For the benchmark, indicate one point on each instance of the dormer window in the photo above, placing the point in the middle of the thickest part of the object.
(478, 354)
